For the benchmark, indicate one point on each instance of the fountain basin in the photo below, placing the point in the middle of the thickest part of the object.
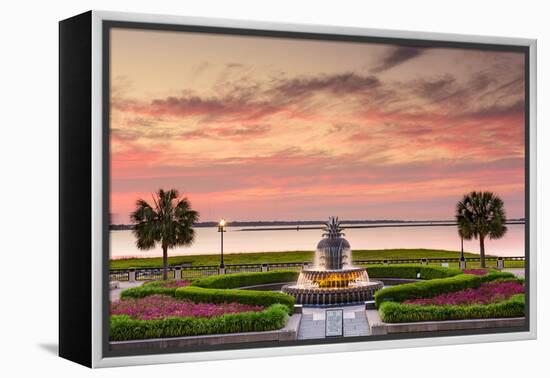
(333, 278)
(316, 296)
(318, 287)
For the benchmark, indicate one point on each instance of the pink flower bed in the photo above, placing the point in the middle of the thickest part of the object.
(486, 293)
(175, 283)
(477, 272)
(161, 306)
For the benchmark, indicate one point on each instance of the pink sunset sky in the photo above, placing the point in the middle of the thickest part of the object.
(256, 128)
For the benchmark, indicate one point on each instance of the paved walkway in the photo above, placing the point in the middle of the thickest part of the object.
(520, 272)
(115, 293)
(312, 325)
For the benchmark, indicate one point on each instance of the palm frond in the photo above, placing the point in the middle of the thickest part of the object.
(169, 221)
(481, 214)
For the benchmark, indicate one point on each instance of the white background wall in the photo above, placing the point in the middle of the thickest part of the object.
(28, 158)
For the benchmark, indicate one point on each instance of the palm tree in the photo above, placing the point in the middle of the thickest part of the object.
(481, 214)
(169, 222)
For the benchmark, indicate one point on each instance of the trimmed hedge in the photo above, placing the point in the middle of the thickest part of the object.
(251, 297)
(427, 289)
(123, 327)
(146, 290)
(427, 272)
(494, 275)
(159, 282)
(234, 280)
(393, 312)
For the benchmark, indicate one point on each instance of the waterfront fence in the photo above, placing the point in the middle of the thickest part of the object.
(190, 272)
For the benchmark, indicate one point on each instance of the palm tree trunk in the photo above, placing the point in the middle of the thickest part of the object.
(482, 250)
(164, 262)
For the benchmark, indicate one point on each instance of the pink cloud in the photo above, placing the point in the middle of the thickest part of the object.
(349, 143)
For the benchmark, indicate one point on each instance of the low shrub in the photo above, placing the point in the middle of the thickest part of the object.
(250, 297)
(160, 287)
(393, 312)
(146, 290)
(494, 275)
(168, 283)
(411, 271)
(235, 280)
(123, 327)
(427, 289)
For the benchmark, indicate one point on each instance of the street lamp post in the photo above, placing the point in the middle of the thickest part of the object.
(221, 230)
(462, 263)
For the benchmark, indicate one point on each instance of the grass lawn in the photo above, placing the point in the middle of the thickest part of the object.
(299, 256)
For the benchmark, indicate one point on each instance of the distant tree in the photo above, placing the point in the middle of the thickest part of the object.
(168, 221)
(480, 215)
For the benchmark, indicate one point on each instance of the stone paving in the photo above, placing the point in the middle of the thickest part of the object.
(519, 272)
(312, 325)
(121, 285)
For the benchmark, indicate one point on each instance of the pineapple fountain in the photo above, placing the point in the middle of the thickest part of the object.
(333, 280)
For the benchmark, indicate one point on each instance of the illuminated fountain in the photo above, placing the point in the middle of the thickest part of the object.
(333, 280)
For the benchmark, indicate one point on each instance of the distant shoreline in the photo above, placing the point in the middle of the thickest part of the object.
(385, 225)
(297, 224)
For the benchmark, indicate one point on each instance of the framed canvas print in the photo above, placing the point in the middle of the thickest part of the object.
(232, 189)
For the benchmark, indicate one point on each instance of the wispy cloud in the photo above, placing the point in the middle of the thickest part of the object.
(396, 57)
(338, 84)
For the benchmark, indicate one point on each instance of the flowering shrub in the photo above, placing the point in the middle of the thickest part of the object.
(486, 293)
(162, 306)
(123, 327)
(427, 289)
(477, 272)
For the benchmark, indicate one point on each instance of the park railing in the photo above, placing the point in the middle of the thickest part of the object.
(189, 272)
(495, 261)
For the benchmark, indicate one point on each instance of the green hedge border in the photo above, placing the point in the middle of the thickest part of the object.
(495, 275)
(122, 327)
(411, 271)
(251, 297)
(235, 280)
(148, 288)
(431, 288)
(394, 312)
